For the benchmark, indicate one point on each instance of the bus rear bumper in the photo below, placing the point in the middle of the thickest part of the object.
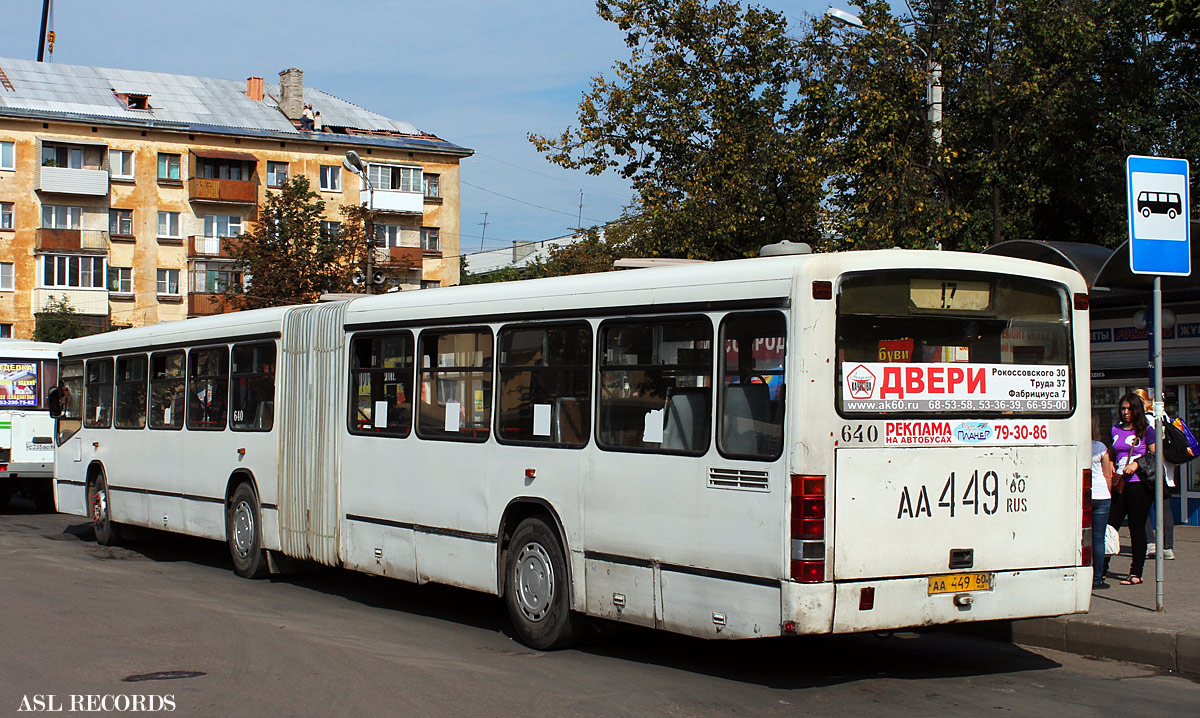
(27, 470)
(907, 602)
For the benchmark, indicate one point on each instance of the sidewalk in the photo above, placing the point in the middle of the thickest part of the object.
(1122, 623)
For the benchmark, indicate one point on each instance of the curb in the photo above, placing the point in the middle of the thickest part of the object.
(1178, 652)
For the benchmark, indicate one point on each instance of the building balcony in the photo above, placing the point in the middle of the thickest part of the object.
(201, 304)
(215, 247)
(410, 256)
(75, 241)
(203, 189)
(65, 180)
(92, 302)
(387, 200)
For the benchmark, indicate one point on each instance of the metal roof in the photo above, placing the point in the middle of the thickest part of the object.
(84, 92)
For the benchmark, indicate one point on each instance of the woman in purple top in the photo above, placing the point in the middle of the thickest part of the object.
(1132, 440)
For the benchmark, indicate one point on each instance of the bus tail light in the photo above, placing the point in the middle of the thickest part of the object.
(808, 528)
(1085, 556)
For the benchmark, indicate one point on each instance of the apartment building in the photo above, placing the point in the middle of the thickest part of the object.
(120, 189)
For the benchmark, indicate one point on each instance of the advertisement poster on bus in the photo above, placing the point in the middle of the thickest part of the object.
(18, 384)
(900, 387)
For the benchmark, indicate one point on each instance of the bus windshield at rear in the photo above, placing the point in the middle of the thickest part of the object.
(953, 343)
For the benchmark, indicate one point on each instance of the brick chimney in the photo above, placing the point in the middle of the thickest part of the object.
(254, 88)
(291, 92)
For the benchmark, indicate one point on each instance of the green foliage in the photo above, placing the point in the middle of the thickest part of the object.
(702, 119)
(736, 134)
(58, 322)
(285, 258)
(1179, 18)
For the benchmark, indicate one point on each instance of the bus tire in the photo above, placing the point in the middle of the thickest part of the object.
(43, 495)
(537, 594)
(243, 531)
(107, 531)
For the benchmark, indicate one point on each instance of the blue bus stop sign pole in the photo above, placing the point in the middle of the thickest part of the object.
(1159, 244)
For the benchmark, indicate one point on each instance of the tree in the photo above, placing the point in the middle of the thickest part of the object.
(286, 258)
(1179, 18)
(702, 118)
(58, 322)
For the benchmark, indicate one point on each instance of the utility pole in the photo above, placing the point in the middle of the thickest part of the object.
(484, 235)
(43, 36)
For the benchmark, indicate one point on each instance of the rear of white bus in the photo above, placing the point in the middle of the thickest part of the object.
(959, 465)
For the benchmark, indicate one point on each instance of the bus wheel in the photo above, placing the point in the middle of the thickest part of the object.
(244, 534)
(106, 530)
(537, 590)
(1145, 211)
(43, 495)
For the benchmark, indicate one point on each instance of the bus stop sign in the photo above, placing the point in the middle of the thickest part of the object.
(1158, 216)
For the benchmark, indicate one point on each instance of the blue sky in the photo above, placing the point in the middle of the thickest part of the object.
(479, 73)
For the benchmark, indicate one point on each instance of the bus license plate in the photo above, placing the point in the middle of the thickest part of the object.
(959, 582)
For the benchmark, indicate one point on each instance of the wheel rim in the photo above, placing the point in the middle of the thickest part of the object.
(99, 507)
(534, 581)
(243, 529)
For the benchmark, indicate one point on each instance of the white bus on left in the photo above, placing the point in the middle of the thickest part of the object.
(28, 370)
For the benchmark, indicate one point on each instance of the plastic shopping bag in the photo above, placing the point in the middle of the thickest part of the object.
(1112, 541)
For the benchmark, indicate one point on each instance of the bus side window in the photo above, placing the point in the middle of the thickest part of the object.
(131, 392)
(545, 390)
(381, 384)
(98, 394)
(208, 388)
(70, 400)
(166, 390)
(455, 385)
(752, 386)
(655, 385)
(252, 387)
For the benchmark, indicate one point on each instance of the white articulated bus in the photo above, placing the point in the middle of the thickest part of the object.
(28, 371)
(764, 447)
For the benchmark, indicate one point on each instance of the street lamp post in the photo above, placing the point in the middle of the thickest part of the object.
(353, 163)
(933, 68)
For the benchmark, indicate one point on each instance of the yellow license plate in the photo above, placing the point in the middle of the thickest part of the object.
(959, 582)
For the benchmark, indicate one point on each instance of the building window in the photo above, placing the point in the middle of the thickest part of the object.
(222, 225)
(432, 188)
(5, 331)
(120, 163)
(168, 282)
(73, 271)
(430, 239)
(60, 217)
(387, 235)
(62, 156)
(120, 280)
(8, 156)
(168, 167)
(403, 179)
(215, 277)
(120, 222)
(168, 224)
(331, 178)
(330, 230)
(224, 169)
(6, 276)
(430, 283)
(6, 215)
(277, 173)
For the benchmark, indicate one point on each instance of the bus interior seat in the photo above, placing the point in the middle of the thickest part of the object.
(687, 413)
(747, 407)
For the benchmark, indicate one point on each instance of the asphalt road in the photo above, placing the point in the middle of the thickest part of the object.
(164, 616)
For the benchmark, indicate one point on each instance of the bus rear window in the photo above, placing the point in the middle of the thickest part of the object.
(959, 343)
